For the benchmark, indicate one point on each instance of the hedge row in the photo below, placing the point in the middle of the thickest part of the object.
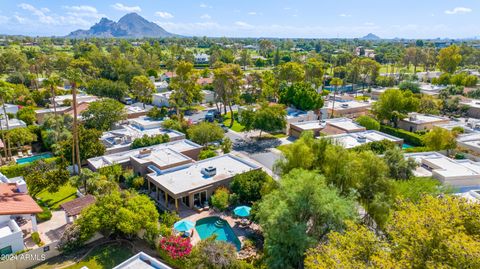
(16, 170)
(408, 137)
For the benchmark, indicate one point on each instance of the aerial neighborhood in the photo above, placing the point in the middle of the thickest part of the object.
(127, 146)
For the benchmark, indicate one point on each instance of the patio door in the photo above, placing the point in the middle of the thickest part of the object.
(186, 200)
(200, 198)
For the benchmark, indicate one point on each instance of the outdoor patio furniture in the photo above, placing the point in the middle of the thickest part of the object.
(20, 154)
(29, 152)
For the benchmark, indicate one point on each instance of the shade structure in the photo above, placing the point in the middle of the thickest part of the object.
(183, 225)
(242, 211)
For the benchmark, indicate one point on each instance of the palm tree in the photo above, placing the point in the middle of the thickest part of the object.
(52, 82)
(6, 94)
(335, 82)
(75, 77)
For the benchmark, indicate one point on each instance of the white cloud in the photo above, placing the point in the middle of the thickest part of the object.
(40, 13)
(458, 10)
(164, 14)
(203, 5)
(83, 11)
(345, 15)
(243, 24)
(82, 8)
(369, 24)
(205, 17)
(252, 13)
(122, 7)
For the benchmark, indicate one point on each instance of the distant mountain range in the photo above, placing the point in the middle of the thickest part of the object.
(131, 25)
(371, 36)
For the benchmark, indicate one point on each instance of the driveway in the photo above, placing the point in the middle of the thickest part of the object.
(262, 151)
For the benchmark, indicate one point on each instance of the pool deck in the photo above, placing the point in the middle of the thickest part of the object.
(240, 232)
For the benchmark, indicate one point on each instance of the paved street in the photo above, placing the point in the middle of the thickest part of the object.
(263, 152)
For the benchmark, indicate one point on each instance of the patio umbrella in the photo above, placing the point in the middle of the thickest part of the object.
(242, 211)
(183, 225)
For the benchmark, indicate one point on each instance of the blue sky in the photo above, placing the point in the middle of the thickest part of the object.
(254, 18)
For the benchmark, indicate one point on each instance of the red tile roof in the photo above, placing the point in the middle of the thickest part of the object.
(15, 203)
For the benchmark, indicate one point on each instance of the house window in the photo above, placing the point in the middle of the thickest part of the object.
(6, 250)
(200, 198)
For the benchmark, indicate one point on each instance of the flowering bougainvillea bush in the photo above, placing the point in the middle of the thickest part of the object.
(176, 246)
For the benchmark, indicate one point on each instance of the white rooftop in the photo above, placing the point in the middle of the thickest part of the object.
(160, 154)
(142, 261)
(12, 124)
(145, 123)
(423, 118)
(457, 173)
(471, 103)
(81, 97)
(431, 89)
(189, 177)
(342, 123)
(351, 140)
(344, 105)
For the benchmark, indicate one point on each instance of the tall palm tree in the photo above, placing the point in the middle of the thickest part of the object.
(335, 82)
(52, 82)
(75, 77)
(5, 95)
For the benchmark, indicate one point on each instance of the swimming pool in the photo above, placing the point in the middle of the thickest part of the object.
(406, 146)
(34, 158)
(209, 226)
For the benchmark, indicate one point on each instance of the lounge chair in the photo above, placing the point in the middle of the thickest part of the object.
(29, 152)
(20, 154)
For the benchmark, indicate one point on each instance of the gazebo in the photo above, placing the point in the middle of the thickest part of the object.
(74, 208)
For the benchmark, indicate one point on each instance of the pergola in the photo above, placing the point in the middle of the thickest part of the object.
(74, 208)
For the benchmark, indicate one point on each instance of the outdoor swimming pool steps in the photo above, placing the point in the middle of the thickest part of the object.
(219, 223)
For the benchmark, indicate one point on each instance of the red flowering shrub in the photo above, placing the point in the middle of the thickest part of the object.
(176, 246)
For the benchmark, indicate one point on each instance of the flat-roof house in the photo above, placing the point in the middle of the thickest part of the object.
(352, 140)
(325, 127)
(161, 86)
(348, 109)
(61, 100)
(142, 261)
(15, 202)
(10, 108)
(161, 99)
(137, 110)
(473, 107)
(470, 141)
(157, 157)
(430, 89)
(121, 138)
(456, 173)
(194, 183)
(419, 122)
(12, 124)
(202, 58)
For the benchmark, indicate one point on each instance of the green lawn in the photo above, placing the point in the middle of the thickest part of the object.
(105, 257)
(237, 127)
(54, 200)
(283, 148)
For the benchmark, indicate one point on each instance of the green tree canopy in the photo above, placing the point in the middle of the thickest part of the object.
(103, 114)
(205, 132)
(297, 216)
(394, 105)
(301, 95)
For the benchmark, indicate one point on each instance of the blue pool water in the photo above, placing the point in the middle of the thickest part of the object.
(406, 146)
(206, 228)
(34, 158)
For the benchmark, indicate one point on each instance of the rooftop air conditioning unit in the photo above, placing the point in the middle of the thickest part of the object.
(361, 139)
(209, 171)
(413, 117)
(21, 186)
(344, 105)
(145, 152)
